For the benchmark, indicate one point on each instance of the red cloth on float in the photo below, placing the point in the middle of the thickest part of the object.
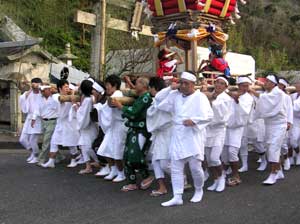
(219, 64)
(171, 6)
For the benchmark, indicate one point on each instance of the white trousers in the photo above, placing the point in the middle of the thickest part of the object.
(30, 141)
(244, 147)
(275, 138)
(177, 174)
(54, 149)
(213, 155)
(161, 167)
(88, 153)
(295, 136)
(259, 146)
(230, 154)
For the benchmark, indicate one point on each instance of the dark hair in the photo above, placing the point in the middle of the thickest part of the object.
(161, 54)
(36, 80)
(157, 83)
(61, 83)
(86, 87)
(104, 97)
(64, 73)
(217, 50)
(114, 81)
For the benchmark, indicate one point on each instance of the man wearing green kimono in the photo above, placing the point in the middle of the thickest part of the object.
(138, 139)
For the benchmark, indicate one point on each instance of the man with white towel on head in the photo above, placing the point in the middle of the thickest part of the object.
(29, 102)
(235, 128)
(272, 108)
(222, 105)
(191, 113)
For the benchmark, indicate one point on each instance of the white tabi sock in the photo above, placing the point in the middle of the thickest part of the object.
(198, 195)
(176, 200)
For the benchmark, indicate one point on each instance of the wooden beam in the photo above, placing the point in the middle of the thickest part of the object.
(127, 4)
(122, 25)
(85, 18)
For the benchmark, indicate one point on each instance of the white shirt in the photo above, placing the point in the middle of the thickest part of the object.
(47, 108)
(187, 141)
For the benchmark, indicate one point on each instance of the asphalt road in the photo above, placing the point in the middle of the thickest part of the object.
(30, 194)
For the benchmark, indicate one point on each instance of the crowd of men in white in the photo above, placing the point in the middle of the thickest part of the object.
(209, 131)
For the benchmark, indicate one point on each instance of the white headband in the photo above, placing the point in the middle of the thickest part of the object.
(272, 79)
(98, 88)
(222, 78)
(72, 87)
(92, 80)
(283, 82)
(244, 80)
(188, 76)
(44, 87)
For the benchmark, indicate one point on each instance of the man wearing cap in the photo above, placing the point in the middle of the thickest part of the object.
(65, 132)
(235, 128)
(222, 105)
(29, 102)
(191, 113)
(272, 108)
(47, 111)
(283, 84)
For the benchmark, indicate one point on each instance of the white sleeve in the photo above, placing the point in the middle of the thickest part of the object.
(167, 104)
(23, 103)
(83, 113)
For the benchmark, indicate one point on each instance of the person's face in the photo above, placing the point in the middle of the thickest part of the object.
(139, 87)
(281, 86)
(152, 91)
(109, 89)
(220, 86)
(269, 85)
(35, 86)
(243, 87)
(65, 89)
(46, 92)
(97, 95)
(297, 86)
(186, 87)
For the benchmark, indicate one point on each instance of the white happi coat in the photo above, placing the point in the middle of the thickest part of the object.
(296, 109)
(272, 107)
(256, 127)
(159, 124)
(28, 106)
(65, 132)
(112, 124)
(87, 128)
(216, 130)
(187, 141)
(238, 120)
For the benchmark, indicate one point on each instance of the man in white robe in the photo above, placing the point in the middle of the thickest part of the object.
(221, 104)
(294, 154)
(191, 113)
(283, 84)
(159, 124)
(235, 129)
(112, 124)
(29, 101)
(272, 108)
(65, 133)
